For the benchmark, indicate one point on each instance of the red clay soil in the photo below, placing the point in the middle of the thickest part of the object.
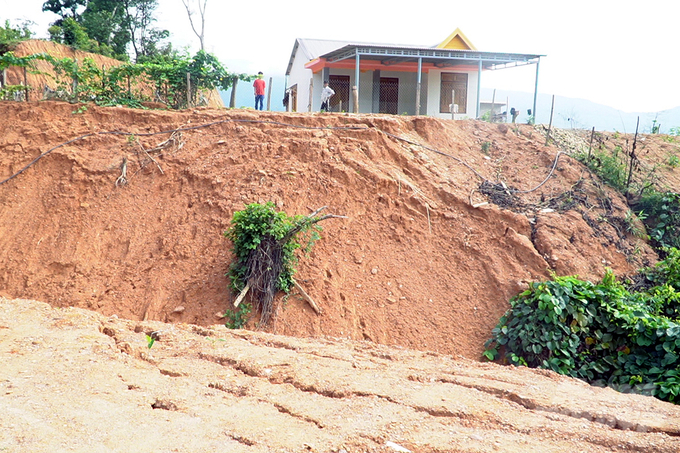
(125, 213)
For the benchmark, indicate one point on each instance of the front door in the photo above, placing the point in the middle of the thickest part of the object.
(292, 98)
(340, 101)
(389, 95)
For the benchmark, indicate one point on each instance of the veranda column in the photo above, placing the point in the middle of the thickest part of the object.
(536, 90)
(479, 86)
(356, 83)
(420, 70)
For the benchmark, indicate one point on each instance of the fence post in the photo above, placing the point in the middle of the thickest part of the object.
(453, 105)
(26, 83)
(75, 80)
(417, 98)
(269, 94)
(552, 109)
(355, 96)
(188, 90)
(590, 146)
(232, 100)
(311, 94)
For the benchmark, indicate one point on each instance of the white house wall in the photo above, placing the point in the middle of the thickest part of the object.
(407, 90)
(431, 83)
(300, 76)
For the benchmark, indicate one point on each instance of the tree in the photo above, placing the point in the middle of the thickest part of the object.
(63, 8)
(140, 17)
(70, 33)
(10, 35)
(201, 10)
(106, 22)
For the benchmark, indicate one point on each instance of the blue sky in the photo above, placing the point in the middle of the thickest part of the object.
(617, 53)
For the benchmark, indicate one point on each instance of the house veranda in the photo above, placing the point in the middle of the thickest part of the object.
(442, 81)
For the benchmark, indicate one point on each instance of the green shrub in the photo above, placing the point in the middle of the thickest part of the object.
(237, 319)
(662, 219)
(10, 36)
(609, 166)
(601, 333)
(265, 242)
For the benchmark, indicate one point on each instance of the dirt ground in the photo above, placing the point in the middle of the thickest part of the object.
(74, 380)
(124, 211)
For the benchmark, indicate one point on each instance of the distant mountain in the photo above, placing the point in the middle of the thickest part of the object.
(569, 112)
(583, 114)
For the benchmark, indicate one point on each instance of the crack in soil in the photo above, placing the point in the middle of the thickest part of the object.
(284, 410)
(607, 420)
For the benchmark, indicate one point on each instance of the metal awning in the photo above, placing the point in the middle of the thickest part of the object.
(386, 53)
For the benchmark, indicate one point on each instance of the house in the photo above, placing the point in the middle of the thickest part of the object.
(395, 79)
(495, 110)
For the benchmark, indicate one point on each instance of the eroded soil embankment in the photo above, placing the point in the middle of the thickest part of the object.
(125, 216)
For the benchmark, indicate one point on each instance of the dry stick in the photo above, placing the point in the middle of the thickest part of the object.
(476, 205)
(590, 146)
(309, 220)
(243, 293)
(149, 156)
(307, 298)
(429, 224)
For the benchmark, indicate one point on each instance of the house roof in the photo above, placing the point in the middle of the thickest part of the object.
(446, 53)
(457, 40)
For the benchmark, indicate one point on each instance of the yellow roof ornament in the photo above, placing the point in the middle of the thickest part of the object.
(457, 41)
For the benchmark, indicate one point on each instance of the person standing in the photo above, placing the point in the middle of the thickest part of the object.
(259, 85)
(326, 94)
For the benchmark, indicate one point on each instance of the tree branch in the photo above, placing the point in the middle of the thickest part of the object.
(240, 297)
(306, 296)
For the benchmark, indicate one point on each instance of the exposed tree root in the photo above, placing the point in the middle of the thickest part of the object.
(265, 265)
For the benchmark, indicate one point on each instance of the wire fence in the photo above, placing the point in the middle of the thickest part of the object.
(94, 84)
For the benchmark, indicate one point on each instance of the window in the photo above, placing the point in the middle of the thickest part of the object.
(456, 82)
(339, 84)
(389, 95)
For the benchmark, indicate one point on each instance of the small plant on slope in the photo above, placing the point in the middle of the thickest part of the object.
(602, 333)
(265, 242)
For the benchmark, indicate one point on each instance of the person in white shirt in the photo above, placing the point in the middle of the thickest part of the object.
(326, 94)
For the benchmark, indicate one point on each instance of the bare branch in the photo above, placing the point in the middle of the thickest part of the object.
(306, 296)
(242, 295)
(201, 10)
